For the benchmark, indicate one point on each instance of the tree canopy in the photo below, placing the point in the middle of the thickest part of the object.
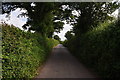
(41, 17)
(57, 37)
(46, 17)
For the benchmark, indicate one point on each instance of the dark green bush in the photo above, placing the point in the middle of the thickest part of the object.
(100, 49)
(23, 52)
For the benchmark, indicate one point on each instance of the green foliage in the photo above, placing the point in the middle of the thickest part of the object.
(57, 37)
(0, 51)
(41, 16)
(68, 35)
(58, 26)
(92, 13)
(23, 52)
(99, 49)
(52, 43)
(46, 17)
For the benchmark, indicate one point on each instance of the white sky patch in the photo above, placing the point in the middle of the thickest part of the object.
(32, 4)
(13, 19)
(76, 13)
(67, 27)
(115, 13)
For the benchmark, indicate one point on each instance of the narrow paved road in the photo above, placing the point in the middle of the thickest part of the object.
(61, 64)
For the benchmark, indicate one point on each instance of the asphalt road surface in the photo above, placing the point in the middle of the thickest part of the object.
(61, 64)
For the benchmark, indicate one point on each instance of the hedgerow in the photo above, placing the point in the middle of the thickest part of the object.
(99, 49)
(23, 52)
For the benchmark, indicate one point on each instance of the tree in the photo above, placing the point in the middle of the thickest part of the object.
(57, 37)
(93, 13)
(41, 17)
(69, 35)
(58, 26)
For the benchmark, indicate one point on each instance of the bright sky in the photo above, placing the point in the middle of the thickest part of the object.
(66, 28)
(14, 19)
(19, 22)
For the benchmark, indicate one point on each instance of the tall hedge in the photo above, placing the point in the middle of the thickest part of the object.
(23, 52)
(99, 49)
